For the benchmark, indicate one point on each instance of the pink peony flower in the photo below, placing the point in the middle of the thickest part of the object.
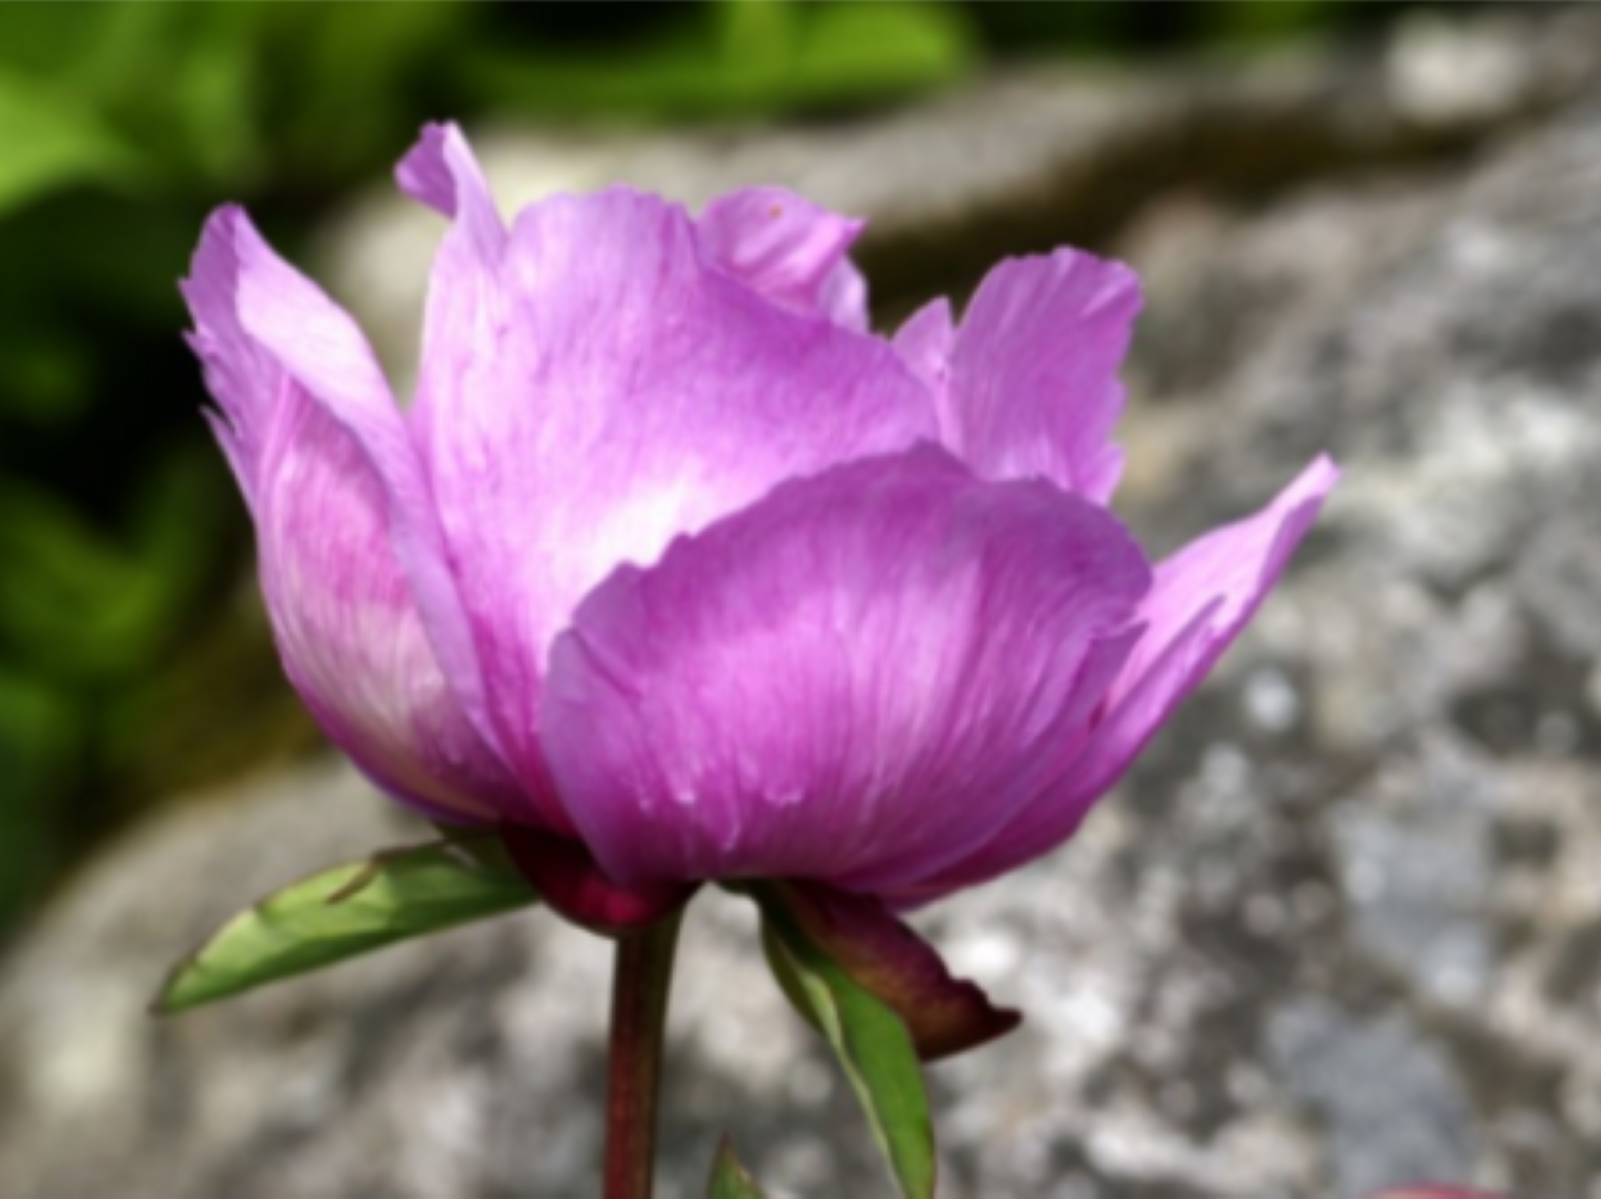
(675, 572)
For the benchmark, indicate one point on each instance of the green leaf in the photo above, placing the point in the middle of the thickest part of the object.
(347, 911)
(730, 1180)
(51, 143)
(873, 1047)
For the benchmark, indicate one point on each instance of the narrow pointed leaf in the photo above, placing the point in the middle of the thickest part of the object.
(730, 1180)
(874, 1048)
(345, 912)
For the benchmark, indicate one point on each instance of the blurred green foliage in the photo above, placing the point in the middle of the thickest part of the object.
(747, 59)
(133, 658)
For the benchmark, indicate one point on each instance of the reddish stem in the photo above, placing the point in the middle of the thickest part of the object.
(644, 973)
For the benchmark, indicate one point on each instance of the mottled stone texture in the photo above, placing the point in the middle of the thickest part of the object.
(1341, 927)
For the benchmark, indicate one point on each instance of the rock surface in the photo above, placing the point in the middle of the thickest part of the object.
(1340, 928)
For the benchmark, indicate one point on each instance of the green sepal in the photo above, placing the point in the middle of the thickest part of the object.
(393, 896)
(730, 1179)
(872, 1045)
(783, 968)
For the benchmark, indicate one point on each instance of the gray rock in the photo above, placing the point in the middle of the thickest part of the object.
(1392, 1106)
(1431, 751)
(1341, 926)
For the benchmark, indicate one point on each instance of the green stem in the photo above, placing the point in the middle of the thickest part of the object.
(644, 972)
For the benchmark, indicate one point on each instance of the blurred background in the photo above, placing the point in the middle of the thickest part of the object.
(133, 662)
(1340, 927)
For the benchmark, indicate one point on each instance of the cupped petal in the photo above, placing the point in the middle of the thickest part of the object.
(1033, 387)
(302, 419)
(1202, 598)
(789, 250)
(441, 172)
(849, 681)
(924, 343)
(604, 389)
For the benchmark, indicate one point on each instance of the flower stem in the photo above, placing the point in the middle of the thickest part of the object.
(644, 972)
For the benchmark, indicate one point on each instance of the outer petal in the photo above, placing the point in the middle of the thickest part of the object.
(303, 422)
(789, 250)
(1033, 371)
(851, 681)
(601, 388)
(1203, 597)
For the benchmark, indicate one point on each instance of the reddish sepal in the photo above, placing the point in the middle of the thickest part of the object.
(945, 1015)
(572, 883)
